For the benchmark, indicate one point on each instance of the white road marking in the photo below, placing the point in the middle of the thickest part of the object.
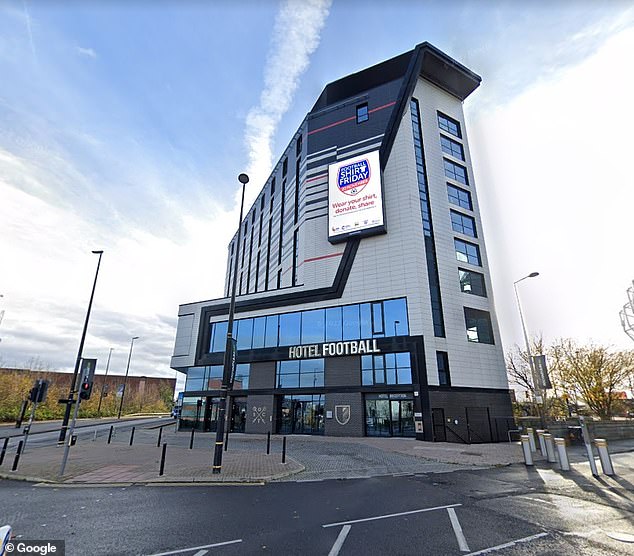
(389, 515)
(201, 553)
(197, 548)
(340, 540)
(462, 542)
(539, 500)
(507, 545)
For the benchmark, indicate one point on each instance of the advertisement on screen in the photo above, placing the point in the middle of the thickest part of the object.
(355, 200)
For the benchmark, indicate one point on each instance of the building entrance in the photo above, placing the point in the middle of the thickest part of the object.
(301, 414)
(238, 414)
(389, 415)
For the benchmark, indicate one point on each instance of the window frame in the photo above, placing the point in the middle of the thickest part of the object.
(460, 227)
(483, 326)
(454, 147)
(362, 116)
(446, 127)
(466, 254)
(451, 173)
(459, 190)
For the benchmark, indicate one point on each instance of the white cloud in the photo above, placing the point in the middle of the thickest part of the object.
(295, 37)
(88, 52)
(553, 176)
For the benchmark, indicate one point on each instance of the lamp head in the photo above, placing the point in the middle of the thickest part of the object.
(98, 252)
(135, 338)
(533, 274)
(243, 179)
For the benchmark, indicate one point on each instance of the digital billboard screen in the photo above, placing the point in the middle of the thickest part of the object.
(355, 200)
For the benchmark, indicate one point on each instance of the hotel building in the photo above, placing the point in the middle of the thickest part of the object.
(364, 296)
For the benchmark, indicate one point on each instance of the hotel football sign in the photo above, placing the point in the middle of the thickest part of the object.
(355, 200)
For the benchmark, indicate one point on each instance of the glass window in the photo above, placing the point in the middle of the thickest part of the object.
(245, 333)
(449, 125)
(218, 336)
(195, 379)
(377, 320)
(241, 380)
(351, 328)
(442, 359)
(272, 331)
(463, 224)
(388, 368)
(472, 282)
(334, 325)
(259, 328)
(366, 320)
(478, 325)
(467, 252)
(362, 113)
(459, 197)
(307, 373)
(214, 377)
(290, 329)
(313, 326)
(455, 171)
(285, 167)
(451, 147)
(395, 316)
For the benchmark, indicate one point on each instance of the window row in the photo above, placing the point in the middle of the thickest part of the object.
(350, 322)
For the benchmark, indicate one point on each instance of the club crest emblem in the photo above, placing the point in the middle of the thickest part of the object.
(342, 414)
(352, 178)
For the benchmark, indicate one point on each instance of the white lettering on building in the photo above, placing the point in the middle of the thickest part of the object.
(331, 349)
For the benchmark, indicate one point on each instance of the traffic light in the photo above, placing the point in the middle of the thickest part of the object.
(85, 389)
(43, 390)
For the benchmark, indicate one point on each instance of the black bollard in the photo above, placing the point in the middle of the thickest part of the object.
(110, 433)
(158, 443)
(4, 449)
(191, 440)
(163, 459)
(17, 456)
(284, 450)
(132, 436)
(268, 443)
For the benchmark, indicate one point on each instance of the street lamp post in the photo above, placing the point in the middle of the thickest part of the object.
(103, 386)
(229, 362)
(536, 385)
(72, 391)
(125, 380)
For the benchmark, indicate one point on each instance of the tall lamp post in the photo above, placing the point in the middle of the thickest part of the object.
(125, 380)
(536, 385)
(73, 391)
(229, 359)
(103, 386)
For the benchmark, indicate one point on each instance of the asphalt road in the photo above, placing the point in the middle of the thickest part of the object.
(476, 512)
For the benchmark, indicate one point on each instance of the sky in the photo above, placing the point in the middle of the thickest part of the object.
(124, 125)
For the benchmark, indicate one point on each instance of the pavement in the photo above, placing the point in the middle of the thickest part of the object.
(94, 461)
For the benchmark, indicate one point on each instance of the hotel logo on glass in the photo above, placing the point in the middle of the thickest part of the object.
(355, 201)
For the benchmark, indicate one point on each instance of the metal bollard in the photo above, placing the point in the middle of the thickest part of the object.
(191, 440)
(526, 448)
(540, 437)
(268, 443)
(550, 448)
(284, 450)
(132, 436)
(604, 456)
(560, 444)
(110, 433)
(158, 442)
(17, 456)
(531, 439)
(4, 449)
(163, 459)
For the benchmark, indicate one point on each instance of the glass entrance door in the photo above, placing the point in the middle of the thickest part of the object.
(301, 415)
(386, 416)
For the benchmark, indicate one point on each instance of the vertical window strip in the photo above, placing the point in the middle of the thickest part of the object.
(428, 230)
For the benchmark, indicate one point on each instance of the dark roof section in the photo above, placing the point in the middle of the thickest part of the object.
(435, 66)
